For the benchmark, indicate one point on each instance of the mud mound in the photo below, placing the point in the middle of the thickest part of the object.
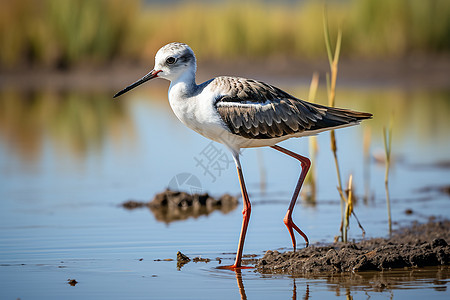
(415, 246)
(170, 206)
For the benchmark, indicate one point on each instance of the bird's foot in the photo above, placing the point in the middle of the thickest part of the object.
(234, 267)
(291, 226)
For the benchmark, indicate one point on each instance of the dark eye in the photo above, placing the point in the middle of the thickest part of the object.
(170, 60)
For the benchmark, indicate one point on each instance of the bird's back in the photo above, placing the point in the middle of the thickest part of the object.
(256, 110)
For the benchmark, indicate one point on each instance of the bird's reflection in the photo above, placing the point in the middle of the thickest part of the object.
(294, 291)
(240, 283)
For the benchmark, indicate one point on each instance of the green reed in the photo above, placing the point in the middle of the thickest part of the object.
(64, 33)
(57, 33)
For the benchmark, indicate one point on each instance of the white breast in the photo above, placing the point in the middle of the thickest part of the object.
(198, 113)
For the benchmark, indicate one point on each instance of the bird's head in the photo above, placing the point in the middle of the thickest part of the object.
(171, 62)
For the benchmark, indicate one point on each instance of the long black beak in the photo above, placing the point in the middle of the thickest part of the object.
(152, 74)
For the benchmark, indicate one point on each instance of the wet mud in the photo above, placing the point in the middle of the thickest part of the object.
(72, 282)
(170, 206)
(419, 245)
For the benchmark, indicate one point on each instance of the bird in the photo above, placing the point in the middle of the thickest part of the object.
(243, 113)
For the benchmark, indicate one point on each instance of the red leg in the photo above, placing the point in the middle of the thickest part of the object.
(246, 218)
(305, 164)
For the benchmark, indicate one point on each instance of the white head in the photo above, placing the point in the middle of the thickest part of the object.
(171, 62)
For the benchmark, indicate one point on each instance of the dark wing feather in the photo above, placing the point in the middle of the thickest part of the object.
(256, 110)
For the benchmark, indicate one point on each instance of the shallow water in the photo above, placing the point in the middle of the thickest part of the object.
(69, 159)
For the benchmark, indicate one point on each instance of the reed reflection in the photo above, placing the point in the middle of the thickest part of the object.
(422, 113)
(72, 122)
(75, 122)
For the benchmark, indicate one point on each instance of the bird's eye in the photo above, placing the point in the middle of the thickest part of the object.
(170, 60)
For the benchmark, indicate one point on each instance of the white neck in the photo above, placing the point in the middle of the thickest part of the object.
(183, 86)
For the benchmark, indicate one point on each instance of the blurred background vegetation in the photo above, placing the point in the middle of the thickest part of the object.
(62, 34)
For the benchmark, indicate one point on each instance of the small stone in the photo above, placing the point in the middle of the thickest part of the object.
(181, 257)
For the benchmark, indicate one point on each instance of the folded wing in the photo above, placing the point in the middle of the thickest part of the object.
(256, 110)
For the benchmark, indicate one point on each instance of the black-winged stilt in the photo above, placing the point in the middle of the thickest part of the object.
(243, 113)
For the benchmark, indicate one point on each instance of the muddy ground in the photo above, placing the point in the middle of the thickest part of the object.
(169, 206)
(420, 245)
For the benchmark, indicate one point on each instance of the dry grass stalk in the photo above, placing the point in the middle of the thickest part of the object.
(348, 209)
(313, 146)
(331, 85)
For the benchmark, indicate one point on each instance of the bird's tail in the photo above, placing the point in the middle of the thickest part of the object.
(337, 117)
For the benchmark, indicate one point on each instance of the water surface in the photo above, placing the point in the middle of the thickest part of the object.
(69, 159)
